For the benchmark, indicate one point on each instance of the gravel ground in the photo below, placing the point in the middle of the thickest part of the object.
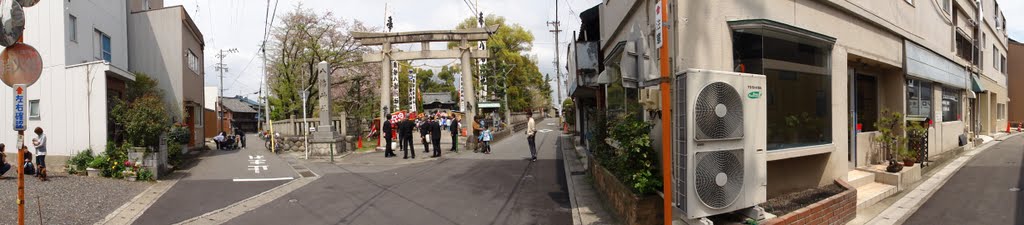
(66, 199)
(786, 203)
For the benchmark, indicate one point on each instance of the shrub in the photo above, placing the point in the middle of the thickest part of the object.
(633, 161)
(99, 162)
(144, 175)
(142, 113)
(174, 155)
(178, 134)
(80, 161)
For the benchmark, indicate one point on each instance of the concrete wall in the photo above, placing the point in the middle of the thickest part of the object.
(106, 16)
(1015, 61)
(156, 32)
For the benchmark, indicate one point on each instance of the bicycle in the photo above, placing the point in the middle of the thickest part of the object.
(279, 145)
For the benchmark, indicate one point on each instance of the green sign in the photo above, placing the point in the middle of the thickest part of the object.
(754, 94)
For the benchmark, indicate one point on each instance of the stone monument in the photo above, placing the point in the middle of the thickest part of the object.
(326, 138)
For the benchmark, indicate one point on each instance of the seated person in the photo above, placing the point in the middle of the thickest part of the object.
(4, 166)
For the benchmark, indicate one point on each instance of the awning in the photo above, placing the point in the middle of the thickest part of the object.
(925, 64)
(975, 86)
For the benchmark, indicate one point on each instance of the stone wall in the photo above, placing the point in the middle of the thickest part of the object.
(628, 207)
(838, 209)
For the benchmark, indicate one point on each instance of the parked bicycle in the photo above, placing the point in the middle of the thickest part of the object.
(279, 144)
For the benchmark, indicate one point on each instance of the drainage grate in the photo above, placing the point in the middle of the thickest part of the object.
(307, 174)
(298, 167)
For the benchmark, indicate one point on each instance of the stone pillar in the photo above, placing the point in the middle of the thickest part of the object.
(385, 90)
(467, 85)
(325, 134)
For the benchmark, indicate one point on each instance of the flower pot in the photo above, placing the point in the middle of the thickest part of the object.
(93, 172)
(908, 162)
(131, 178)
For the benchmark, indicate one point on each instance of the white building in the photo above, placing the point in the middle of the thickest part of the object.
(84, 48)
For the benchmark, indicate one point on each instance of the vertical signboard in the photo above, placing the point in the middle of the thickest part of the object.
(412, 91)
(19, 106)
(394, 87)
(658, 23)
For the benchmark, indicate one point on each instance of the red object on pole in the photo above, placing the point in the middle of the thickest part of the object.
(360, 142)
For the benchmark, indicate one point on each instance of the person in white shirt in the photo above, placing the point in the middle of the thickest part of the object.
(531, 132)
(40, 144)
(219, 140)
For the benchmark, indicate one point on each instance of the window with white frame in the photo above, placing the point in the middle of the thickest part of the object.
(1002, 64)
(193, 61)
(1000, 113)
(33, 109)
(72, 28)
(947, 6)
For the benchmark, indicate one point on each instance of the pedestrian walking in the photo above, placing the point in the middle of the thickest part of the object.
(435, 136)
(477, 128)
(531, 133)
(454, 129)
(405, 129)
(485, 138)
(40, 144)
(425, 134)
(386, 131)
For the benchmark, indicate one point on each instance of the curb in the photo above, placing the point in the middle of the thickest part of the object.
(902, 209)
(577, 216)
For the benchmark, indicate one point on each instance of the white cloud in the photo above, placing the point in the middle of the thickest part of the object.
(1014, 20)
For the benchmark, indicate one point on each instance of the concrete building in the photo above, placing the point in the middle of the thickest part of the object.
(86, 63)
(832, 65)
(165, 44)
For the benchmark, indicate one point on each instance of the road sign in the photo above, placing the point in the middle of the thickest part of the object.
(19, 106)
(21, 64)
(658, 23)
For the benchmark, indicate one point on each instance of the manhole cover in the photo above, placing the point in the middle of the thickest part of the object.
(1014, 189)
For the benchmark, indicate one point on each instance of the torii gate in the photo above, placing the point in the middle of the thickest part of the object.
(465, 53)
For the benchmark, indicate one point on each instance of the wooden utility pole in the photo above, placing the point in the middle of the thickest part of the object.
(558, 68)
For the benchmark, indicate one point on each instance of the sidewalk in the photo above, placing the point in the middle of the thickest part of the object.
(897, 209)
(587, 206)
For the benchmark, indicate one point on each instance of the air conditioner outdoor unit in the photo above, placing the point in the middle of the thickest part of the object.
(718, 143)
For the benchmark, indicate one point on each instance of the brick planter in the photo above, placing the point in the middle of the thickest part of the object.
(838, 209)
(630, 208)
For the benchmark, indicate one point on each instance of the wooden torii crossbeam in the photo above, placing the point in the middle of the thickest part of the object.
(465, 53)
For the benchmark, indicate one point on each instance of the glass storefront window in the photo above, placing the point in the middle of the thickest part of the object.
(950, 104)
(919, 98)
(799, 89)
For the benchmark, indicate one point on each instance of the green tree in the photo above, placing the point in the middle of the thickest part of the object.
(141, 114)
(303, 39)
(508, 47)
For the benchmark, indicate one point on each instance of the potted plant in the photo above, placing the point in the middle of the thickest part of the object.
(130, 171)
(908, 155)
(96, 165)
(890, 139)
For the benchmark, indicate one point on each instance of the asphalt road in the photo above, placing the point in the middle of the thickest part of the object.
(985, 191)
(467, 188)
(210, 184)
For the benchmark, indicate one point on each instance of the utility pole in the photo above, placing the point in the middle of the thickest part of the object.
(221, 67)
(558, 69)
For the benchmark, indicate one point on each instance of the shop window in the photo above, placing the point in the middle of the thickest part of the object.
(867, 102)
(951, 104)
(919, 98)
(798, 91)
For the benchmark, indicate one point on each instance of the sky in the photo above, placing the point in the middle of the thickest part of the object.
(239, 24)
